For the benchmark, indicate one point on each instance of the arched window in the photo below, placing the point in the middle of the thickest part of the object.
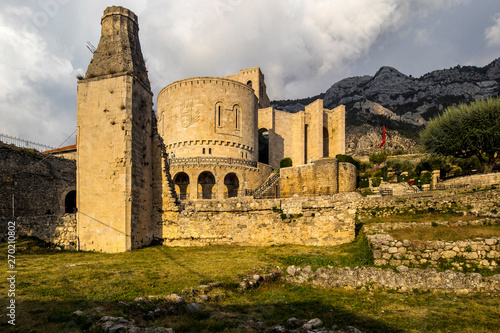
(206, 183)
(181, 181)
(210, 151)
(70, 202)
(264, 146)
(203, 151)
(232, 185)
(249, 83)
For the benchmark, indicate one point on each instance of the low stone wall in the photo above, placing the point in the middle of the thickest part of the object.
(317, 221)
(483, 203)
(59, 230)
(474, 180)
(483, 253)
(405, 280)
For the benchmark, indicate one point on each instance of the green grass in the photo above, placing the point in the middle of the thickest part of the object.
(420, 218)
(52, 284)
(446, 233)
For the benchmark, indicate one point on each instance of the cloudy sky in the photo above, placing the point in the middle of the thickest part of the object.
(302, 46)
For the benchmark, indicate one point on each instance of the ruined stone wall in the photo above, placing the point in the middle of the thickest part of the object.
(483, 253)
(474, 180)
(473, 202)
(38, 182)
(317, 221)
(319, 178)
(404, 280)
(347, 177)
(59, 230)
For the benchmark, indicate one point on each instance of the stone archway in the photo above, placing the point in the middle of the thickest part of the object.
(181, 181)
(232, 184)
(206, 183)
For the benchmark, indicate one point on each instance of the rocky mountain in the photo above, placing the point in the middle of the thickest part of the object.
(402, 103)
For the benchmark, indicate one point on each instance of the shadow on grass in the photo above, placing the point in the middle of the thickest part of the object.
(57, 316)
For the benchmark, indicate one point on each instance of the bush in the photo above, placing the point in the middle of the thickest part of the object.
(348, 159)
(378, 158)
(376, 181)
(286, 162)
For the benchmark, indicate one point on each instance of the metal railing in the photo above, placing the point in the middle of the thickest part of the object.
(24, 143)
(270, 181)
(211, 160)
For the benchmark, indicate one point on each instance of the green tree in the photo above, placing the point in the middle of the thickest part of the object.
(378, 158)
(348, 159)
(466, 130)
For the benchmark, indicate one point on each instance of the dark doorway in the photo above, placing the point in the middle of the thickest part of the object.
(181, 181)
(232, 184)
(264, 146)
(70, 202)
(206, 182)
(326, 143)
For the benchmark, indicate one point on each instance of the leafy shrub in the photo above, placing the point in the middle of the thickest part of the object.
(286, 162)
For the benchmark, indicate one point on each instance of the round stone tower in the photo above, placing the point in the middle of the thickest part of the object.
(209, 117)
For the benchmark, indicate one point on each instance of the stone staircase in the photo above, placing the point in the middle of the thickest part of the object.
(267, 184)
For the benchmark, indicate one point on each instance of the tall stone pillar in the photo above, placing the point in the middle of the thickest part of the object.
(114, 165)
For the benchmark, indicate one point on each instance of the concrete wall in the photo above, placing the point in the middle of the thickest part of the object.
(39, 183)
(317, 221)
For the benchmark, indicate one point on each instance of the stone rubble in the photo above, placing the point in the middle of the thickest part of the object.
(405, 280)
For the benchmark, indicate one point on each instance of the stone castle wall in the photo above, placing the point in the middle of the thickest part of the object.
(324, 176)
(59, 230)
(39, 183)
(317, 221)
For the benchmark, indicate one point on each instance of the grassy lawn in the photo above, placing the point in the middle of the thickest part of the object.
(420, 218)
(52, 284)
(445, 233)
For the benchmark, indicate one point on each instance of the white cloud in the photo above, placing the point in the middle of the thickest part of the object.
(34, 79)
(492, 33)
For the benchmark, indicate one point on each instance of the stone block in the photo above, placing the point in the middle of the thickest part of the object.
(393, 250)
(448, 254)
(490, 241)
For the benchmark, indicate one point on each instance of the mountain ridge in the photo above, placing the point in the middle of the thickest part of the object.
(402, 103)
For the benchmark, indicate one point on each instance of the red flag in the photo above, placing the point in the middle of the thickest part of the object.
(383, 140)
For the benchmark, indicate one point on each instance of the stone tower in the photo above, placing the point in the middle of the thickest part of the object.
(114, 165)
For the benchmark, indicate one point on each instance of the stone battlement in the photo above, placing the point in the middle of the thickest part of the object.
(118, 10)
(203, 80)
